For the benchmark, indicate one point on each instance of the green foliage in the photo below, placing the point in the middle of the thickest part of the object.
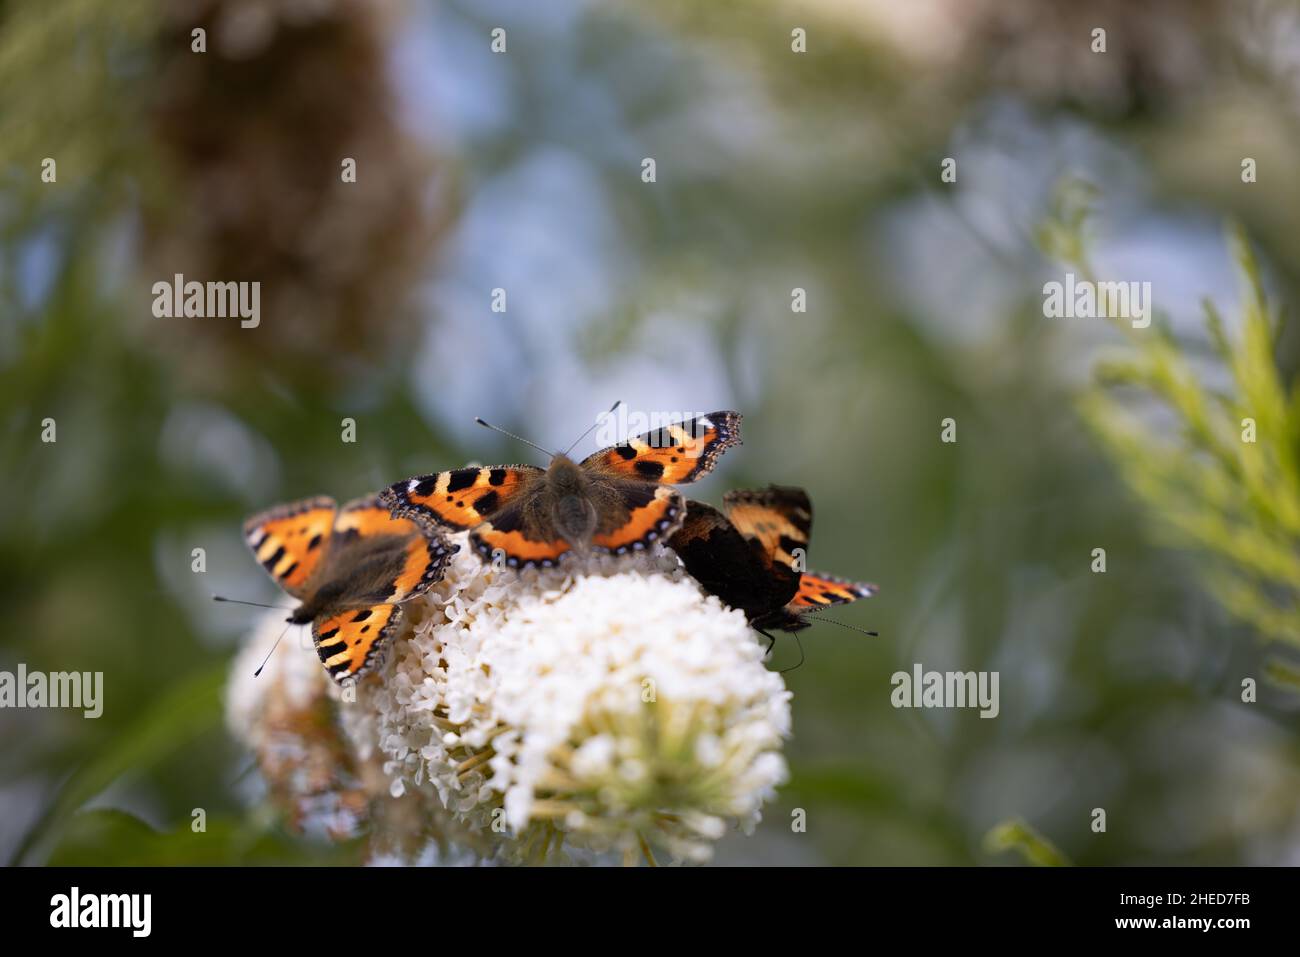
(1222, 480)
(183, 713)
(71, 78)
(1018, 835)
(776, 170)
(101, 838)
(1063, 233)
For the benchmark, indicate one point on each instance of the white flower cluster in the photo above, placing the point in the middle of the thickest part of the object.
(296, 679)
(284, 716)
(607, 705)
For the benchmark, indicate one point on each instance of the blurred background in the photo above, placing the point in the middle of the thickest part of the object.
(522, 171)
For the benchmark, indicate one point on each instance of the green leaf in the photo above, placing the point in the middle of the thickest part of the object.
(185, 712)
(1017, 835)
(104, 837)
(1282, 674)
(1233, 501)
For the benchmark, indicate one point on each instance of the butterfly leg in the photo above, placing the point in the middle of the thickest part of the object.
(771, 641)
(801, 657)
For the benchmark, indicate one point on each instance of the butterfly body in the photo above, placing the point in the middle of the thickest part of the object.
(351, 568)
(355, 572)
(566, 499)
(752, 554)
(617, 500)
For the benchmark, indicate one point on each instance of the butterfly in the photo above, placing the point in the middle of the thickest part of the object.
(616, 501)
(752, 556)
(351, 568)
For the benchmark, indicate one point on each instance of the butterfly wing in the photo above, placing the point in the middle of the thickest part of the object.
(672, 455)
(725, 563)
(817, 591)
(630, 517)
(375, 561)
(460, 498)
(352, 642)
(777, 521)
(375, 557)
(637, 515)
(520, 537)
(290, 541)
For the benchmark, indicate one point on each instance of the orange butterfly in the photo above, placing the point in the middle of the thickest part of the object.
(351, 568)
(617, 500)
(752, 557)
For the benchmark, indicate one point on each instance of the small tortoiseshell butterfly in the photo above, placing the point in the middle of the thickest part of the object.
(350, 568)
(750, 557)
(617, 500)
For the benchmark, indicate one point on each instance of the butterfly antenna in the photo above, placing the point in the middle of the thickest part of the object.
(801, 655)
(599, 418)
(832, 621)
(255, 604)
(517, 438)
(272, 651)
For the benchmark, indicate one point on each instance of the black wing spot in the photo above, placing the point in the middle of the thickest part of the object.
(461, 479)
